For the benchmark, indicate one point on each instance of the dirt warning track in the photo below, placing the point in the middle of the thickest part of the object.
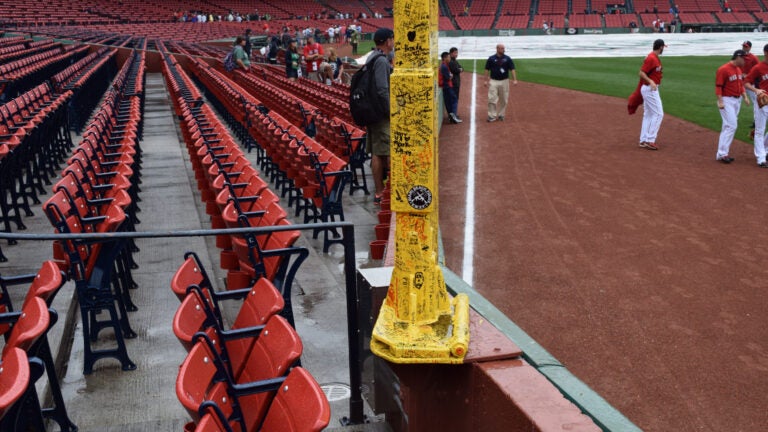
(645, 273)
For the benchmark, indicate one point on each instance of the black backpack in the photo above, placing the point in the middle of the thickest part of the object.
(229, 61)
(365, 105)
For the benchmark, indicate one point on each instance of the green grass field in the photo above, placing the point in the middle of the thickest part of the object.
(687, 91)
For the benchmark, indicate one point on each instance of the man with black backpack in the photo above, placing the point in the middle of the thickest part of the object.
(377, 142)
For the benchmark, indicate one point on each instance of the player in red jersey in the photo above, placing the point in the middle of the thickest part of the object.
(757, 82)
(653, 111)
(729, 88)
(750, 60)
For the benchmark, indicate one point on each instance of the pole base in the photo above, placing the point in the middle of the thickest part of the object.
(443, 341)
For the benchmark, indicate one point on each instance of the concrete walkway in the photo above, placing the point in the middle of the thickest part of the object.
(145, 400)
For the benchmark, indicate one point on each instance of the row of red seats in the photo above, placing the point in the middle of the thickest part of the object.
(338, 135)
(305, 167)
(21, 75)
(237, 197)
(98, 193)
(26, 355)
(65, 78)
(313, 176)
(34, 140)
(10, 70)
(331, 99)
(223, 173)
(11, 40)
(32, 49)
(297, 111)
(243, 377)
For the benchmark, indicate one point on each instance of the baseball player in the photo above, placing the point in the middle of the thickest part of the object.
(757, 83)
(750, 60)
(653, 111)
(729, 88)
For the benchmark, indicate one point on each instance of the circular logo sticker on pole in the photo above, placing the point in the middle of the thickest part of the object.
(419, 197)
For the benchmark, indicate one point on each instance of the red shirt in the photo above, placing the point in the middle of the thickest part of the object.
(758, 76)
(652, 67)
(728, 81)
(313, 49)
(750, 60)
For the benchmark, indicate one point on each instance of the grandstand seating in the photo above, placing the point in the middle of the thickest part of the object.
(380, 6)
(99, 187)
(697, 18)
(475, 22)
(688, 6)
(512, 21)
(444, 23)
(585, 21)
(621, 20)
(456, 7)
(539, 20)
(552, 7)
(516, 7)
(43, 285)
(118, 23)
(35, 139)
(735, 17)
(26, 354)
(354, 8)
(580, 7)
(745, 5)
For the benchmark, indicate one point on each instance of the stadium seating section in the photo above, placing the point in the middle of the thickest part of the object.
(115, 22)
(306, 148)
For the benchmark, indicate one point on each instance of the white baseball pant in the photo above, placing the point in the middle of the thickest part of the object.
(730, 116)
(761, 116)
(753, 100)
(653, 113)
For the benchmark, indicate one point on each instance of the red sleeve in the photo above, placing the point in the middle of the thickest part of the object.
(648, 65)
(752, 75)
(720, 78)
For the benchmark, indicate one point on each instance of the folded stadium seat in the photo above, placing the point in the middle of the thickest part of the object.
(204, 372)
(29, 326)
(44, 285)
(332, 176)
(92, 267)
(14, 197)
(300, 405)
(355, 154)
(14, 380)
(270, 256)
(252, 189)
(197, 314)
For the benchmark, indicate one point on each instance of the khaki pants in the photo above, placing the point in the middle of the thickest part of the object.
(498, 93)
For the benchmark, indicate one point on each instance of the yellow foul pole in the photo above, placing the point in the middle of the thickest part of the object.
(418, 322)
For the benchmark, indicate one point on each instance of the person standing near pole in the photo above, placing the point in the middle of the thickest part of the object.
(653, 112)
(445, 80)
(378, 139)
(729, 88)
(500, 68)
(456, 70)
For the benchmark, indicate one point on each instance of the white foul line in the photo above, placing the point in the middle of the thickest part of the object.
(467, 271)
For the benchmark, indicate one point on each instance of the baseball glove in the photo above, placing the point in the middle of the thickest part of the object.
(762, 100)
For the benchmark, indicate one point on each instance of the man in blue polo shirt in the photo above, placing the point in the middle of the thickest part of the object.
(500, 67)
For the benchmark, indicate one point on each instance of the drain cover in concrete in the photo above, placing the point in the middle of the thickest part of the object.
(336, 391)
